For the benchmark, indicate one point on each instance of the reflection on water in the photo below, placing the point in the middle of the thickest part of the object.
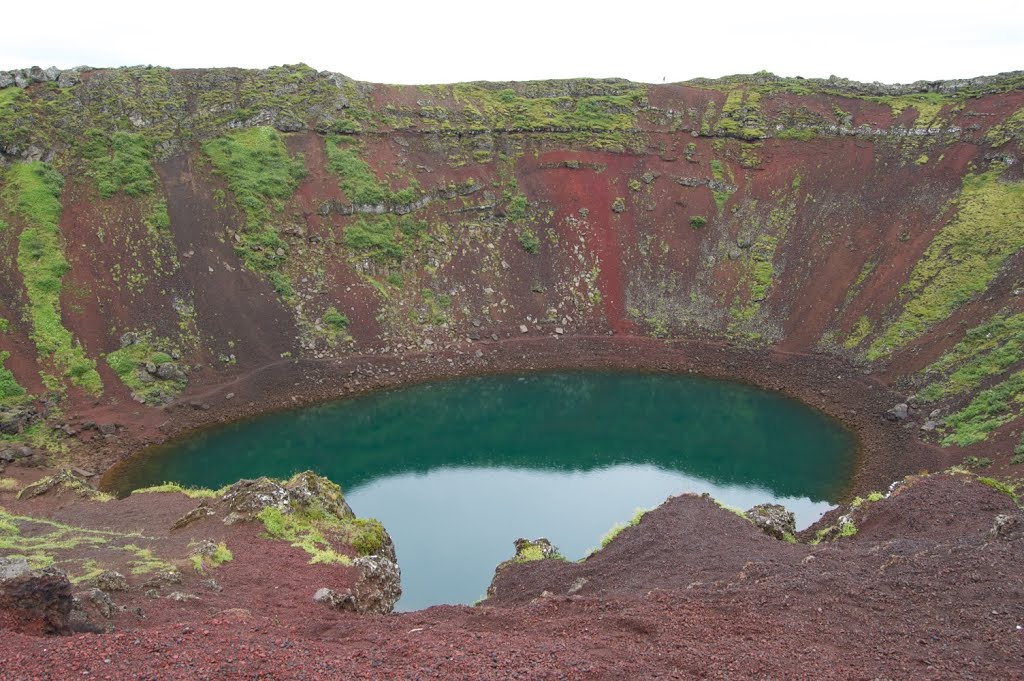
(457, 470)
(457, 524)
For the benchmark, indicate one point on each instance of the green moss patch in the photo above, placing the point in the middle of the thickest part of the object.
(608, 118)
(962, 259)
(357, 179)
(46, 542)
(10, 391)
(1011, 129)
(309, 533)
(860, 331)
(741, 115)
(120, 162)
(529, 240)
(721, 173)
(385, 239)
(34, 190)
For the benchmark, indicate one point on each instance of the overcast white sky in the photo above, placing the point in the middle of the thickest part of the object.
(438, 42)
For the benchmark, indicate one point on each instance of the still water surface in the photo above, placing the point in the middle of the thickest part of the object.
(458, 470)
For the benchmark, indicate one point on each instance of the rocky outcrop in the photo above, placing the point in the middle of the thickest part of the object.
(1007, 527)
(377, 589)
(13, 420)
(34, 601)
(774, 520)
(22, 78)
(308, 495)
(305, 492)
(64, 482)
(527, 551)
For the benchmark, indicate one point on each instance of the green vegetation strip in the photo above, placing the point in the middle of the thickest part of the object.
(357, 179)
(986, 350)
(987, 411)
(42, 542)
(190, 492)
(962, 259)
(262, 176)
(607, 117)
(34, 190)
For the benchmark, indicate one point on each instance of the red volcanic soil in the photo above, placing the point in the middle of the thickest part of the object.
(924, 590)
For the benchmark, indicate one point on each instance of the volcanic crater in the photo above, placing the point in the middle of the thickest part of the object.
(183, 248)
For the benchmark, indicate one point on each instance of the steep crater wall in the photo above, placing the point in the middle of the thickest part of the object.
(172, 238)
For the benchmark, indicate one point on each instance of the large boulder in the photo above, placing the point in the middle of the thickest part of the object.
(34, 601)
(773, 519)
(338, 600)
(309, 491)
(13, 420)
(900, 412)
(246, 499)
(379, 585)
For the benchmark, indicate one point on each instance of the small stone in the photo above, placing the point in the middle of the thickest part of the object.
(578, 584)
(13, 567)
(900, 412)
(181, 597)
(559, 330)
(522, 328)
(1006, 526)
(111, 581)
(343, 600)
(68, 79)
(212, 585)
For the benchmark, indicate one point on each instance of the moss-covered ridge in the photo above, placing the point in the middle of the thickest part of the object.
(306, 511)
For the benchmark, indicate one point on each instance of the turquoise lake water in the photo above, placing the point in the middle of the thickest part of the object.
(458, 470)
